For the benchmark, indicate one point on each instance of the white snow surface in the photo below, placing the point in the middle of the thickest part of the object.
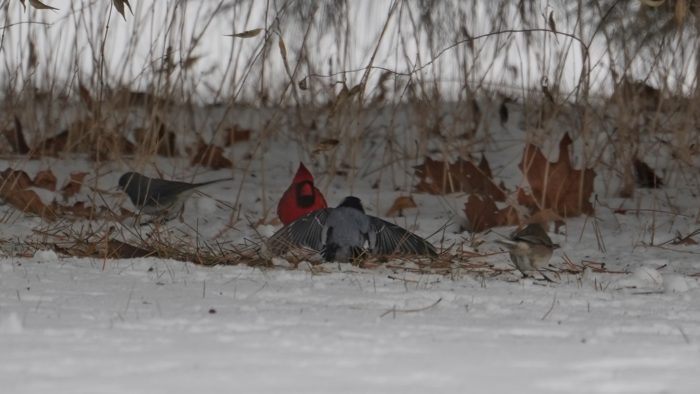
(83, 325)
(159, 326)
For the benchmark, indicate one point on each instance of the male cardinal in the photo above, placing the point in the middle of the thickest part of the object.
(346, 232)
(301, 198)
(160, 198)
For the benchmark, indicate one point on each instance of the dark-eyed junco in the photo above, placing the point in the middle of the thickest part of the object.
(346, 232)
(530, 248)
(162, 199)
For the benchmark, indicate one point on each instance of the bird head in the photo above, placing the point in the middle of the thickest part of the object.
(352, 202)
(125, 179)
(303, 174)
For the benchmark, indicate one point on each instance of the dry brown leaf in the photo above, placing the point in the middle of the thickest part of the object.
(46, 180)
(247, 33)
(645, 175)
(74, 184)
(401, 203)
(236, 134)
(164, 141)
(325, 144)
(544, 217)
(482, 213)
(40, 6)
(16, 138)
(50, 146)
(85, 96)
(303, 85)
(119, 5)
(111, 147)
(211, 156)
(557, 186)
(123, 250)
(14, 190)
(81, 210)
(190, 61)
(439, 177)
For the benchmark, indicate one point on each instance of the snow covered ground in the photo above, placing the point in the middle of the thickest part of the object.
(156, 326)
(80, 325)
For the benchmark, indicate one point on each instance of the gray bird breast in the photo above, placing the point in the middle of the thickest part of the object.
(346, 229)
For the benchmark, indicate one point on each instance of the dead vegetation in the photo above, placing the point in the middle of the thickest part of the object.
(411, 118)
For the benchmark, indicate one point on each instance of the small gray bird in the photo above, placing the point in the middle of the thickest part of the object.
(530, 248)
(164, 200)
(345, 233)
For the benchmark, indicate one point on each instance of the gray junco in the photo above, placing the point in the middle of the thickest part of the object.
(346, 232)
(163, 199)
(530, 248)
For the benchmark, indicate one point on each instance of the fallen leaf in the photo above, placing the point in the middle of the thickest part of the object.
(325, 144)
(684, 240)
(439, 177)
(119, 5)
(46, 180)
(163, 143)
(111, 146)
(16, 138)
(123, 250)
(401, 203)
(85, 96)
(482, 213)
(557, 186)
(40, 6)
(645, 175)
(14, 190)
(544, 217)
(190, 61)
(236, 134)
(74, 184)
(50, 146)
(246, 34)
(211, 156)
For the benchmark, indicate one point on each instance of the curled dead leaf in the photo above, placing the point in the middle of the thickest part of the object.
(482, 213)
(85, 96)
(236, 135)
(211, 156)
(557, 185)
(439, 177)
(46, 180)
(325, 144)
(162, 142)
(645, 175)
(14, 190)
(39, 5)
(16, 138)
(247, 33)
(74, 184)
(401, 203)
(119, 5)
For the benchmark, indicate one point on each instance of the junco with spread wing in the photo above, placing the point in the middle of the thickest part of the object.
(344, 233)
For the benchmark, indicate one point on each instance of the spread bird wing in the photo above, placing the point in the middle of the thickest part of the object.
(392, 239)
(307, 231)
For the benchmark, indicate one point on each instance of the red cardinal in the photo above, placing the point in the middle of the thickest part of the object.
(301, 198)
